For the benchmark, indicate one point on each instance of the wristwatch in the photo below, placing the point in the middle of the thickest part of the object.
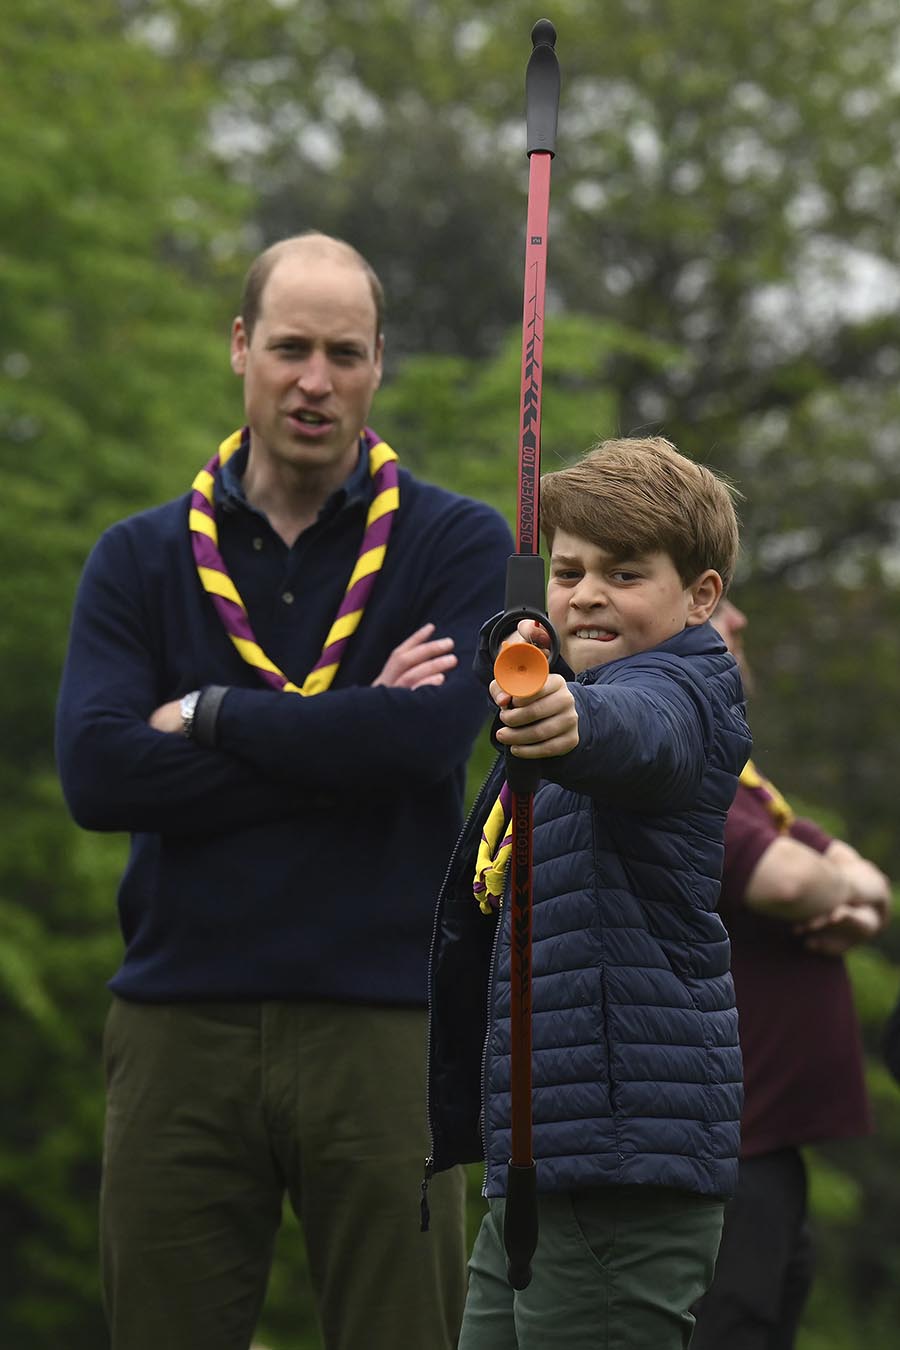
(188, 706)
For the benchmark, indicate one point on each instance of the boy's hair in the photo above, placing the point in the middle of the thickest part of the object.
(636, 496)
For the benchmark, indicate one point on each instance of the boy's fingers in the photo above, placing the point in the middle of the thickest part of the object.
(499, 695)
(525, 711)
(538, 733)
(557, 745)
(534, 632)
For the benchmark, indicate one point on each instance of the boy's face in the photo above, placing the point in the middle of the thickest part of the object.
(604, 608)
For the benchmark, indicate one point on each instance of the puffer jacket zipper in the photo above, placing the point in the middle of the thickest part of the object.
(461, 837)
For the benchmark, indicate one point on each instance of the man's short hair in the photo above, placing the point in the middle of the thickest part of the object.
(261, 269)
(634, 496)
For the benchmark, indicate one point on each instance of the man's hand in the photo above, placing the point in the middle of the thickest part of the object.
(539, 727)
(870, 885)
(861, 916)
(845, 927)
(168, 718)
(420, 660)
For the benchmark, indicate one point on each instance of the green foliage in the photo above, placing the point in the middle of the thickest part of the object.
(457, 418)
(874, 980)
(111, 215)
(854, 1194)
(833, 1196)
(289, 1320)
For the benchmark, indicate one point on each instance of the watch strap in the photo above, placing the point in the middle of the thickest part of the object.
(206, 715)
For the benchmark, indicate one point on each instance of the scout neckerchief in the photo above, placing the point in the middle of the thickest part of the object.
(231, 608)
(768, 794)
(493, 853)
(496, 837)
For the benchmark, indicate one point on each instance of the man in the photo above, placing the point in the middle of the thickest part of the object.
(793, 900)
(268, 683)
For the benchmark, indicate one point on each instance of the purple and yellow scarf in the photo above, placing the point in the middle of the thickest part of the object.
(230, 607)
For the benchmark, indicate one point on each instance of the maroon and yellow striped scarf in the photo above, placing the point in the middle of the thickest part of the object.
(780, 810)
(230, 607)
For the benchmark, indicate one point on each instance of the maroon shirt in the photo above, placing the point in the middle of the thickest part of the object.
(800, 1038)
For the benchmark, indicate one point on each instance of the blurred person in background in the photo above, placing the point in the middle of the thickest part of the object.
(794, 900)
(267, 1029)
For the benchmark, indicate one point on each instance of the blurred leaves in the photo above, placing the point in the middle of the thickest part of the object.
(114, 240)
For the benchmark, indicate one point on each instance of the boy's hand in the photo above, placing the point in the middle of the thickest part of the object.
(421, 659)
(540, 727)
(535, 633)
(529, 630)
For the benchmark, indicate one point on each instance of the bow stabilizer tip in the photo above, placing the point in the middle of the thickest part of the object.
(543, 34)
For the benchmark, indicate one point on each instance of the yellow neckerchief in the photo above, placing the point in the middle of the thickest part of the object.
(224, 594)
(494, 853)
(768, 794)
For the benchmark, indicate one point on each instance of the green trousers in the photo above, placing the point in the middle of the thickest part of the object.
(214, 1113)
(615, 1269)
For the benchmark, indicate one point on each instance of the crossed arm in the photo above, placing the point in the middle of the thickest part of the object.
(276, 754)
(834, 899)
(422, 659)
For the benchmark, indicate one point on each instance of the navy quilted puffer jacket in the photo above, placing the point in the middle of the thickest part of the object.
(636, 1065)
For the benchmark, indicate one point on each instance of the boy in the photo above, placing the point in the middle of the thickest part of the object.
(636, 1066)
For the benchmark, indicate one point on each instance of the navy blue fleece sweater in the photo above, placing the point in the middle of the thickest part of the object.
(300, 858)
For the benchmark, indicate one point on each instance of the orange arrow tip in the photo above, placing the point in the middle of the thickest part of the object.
(521, 669)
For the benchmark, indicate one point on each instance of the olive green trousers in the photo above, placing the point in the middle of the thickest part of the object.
(214, 1113)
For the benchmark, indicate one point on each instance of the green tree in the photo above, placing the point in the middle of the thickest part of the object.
(111, 393)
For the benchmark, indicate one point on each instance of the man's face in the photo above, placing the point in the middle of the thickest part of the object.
(311, 366)
(604, 607)
(730, 622)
